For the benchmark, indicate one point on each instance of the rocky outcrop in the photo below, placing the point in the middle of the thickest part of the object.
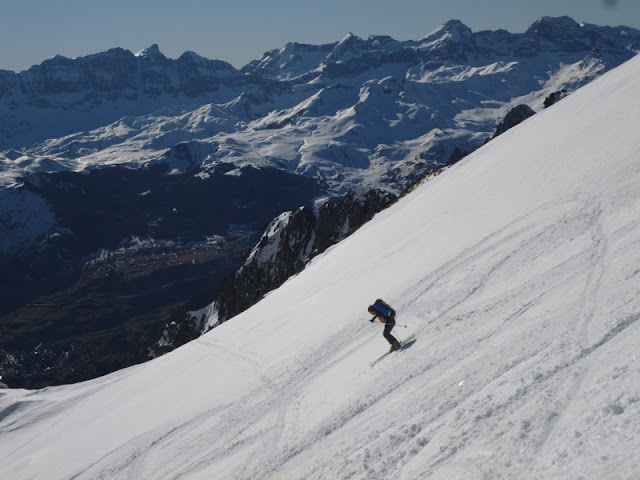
(286, 246)
(283, 250)
(562, 33)
(515, 116)
(555, 97)
(290, 241)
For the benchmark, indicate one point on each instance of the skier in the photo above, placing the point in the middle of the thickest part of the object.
(387, 315)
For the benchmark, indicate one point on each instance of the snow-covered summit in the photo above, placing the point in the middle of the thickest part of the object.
(517, 269)
(454, 30)
(150, 52)
(152, 55)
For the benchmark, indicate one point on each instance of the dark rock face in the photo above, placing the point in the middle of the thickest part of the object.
(298, 239)
(288, 241)
(339, 218)
(563, 33)
(555, 97)
(515, 116)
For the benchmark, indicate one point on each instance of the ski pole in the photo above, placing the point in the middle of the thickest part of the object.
(396, 325)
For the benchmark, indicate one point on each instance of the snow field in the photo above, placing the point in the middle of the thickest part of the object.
(518, 269)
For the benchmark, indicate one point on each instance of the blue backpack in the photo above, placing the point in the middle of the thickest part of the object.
(384, 308)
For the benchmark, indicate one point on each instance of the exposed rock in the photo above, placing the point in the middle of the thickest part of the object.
(286, 246)
(555, 97)
(290, 241)
(515, 116)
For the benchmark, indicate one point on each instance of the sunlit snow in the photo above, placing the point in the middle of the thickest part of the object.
(518, 269)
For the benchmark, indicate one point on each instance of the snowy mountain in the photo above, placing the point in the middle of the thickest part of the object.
(356, 111)
(128, 180)
(516, 269)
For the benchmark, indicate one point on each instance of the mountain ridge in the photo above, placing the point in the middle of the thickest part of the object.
(120, 75)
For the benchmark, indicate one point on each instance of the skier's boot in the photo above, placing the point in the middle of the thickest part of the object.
(394, 346)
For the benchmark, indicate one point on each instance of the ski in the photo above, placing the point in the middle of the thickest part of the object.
(402, 344)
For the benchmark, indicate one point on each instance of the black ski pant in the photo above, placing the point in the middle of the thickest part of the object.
(387, 333)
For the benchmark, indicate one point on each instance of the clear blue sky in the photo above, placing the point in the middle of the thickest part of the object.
(239, 31)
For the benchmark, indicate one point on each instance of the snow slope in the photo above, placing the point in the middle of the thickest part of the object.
(518, 269)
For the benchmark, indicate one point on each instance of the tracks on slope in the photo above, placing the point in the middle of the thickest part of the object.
(588, 305)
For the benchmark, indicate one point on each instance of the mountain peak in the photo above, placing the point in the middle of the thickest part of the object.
(192, 57)
(58, 59)
(564, 32)
(453, 30)
(151, 52)
(347, 42)
(348, 45)
(348, 37)
(454, 25)
(553, 25)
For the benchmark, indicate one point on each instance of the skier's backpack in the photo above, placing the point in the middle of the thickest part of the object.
(384, 308)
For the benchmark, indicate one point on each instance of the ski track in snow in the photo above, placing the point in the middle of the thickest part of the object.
(588, 307)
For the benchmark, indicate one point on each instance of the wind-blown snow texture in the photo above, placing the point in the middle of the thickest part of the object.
(518, 269)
